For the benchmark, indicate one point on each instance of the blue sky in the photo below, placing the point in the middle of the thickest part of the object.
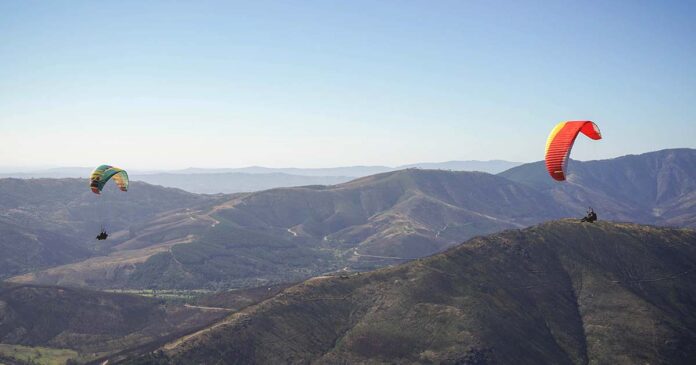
(148, 84)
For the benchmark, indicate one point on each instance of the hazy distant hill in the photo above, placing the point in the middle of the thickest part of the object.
(349, 171)
(563, 292)
(93, 324)
(257, 178)
(234, 182)
(251, 179)
(54, 173)
(491, 167)
(656, 187)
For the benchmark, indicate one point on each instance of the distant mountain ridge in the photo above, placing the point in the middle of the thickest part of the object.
(289, 234)
(235, 182)
(490, 166)
(257, 178)
(563, 292)
(657, 187)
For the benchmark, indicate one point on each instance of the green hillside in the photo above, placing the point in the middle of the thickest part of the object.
(561, 292)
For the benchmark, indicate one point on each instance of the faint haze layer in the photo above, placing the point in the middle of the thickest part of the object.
(256, 178)
(171, 85)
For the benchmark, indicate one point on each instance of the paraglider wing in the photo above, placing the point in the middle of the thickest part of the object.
(102, 174)
(560, 142)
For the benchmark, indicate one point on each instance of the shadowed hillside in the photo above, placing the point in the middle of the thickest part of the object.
(562, 292)
(92, 324)
(25, 248)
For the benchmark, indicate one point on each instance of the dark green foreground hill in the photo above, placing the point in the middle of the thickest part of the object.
(89, 323)
(559, 293)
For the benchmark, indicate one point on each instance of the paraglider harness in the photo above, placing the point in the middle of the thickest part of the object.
(590, 217)
(102, 235)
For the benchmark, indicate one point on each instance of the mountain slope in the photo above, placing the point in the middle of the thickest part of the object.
(92, 323)
(657, 187)
(562, 292)
(48, 222)
(289, 234)
(379, 214)
(491, 167)
(26, 249)
(68, 203)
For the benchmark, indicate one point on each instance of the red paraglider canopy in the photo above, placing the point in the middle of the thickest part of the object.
(561, 141)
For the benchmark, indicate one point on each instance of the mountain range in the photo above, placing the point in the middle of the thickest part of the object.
(657, 187)
(289, 234)
(563, 292)
(518, 291)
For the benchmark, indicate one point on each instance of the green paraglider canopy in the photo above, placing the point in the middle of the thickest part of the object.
(102, 174)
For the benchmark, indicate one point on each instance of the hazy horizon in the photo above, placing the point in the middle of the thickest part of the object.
(36, 168)
(41, 167)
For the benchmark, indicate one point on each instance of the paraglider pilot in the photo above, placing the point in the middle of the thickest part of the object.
(590, 217)
(100, 176)
(102, 235)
